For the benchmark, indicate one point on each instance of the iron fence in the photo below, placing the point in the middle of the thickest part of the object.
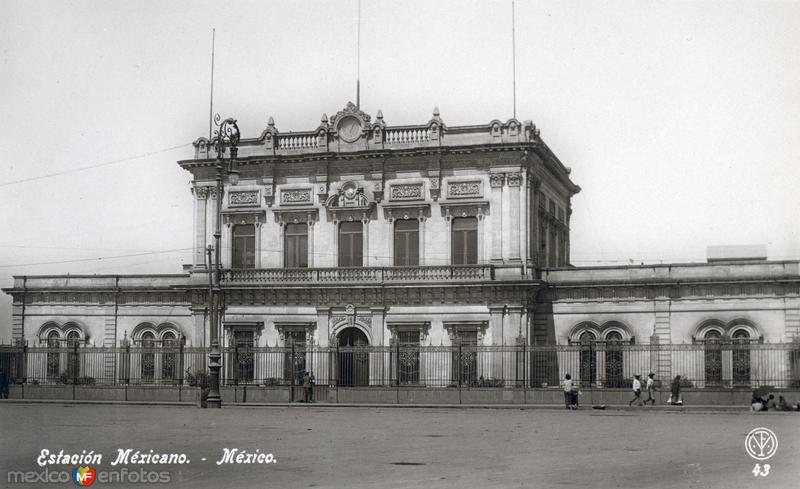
(596, 365)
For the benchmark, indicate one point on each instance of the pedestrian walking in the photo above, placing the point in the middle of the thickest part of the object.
(3, 384)
(675, 392)
(651, 389)
(637, 390)
(568, 391)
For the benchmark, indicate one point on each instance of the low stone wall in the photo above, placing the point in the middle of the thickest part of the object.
(378, 395)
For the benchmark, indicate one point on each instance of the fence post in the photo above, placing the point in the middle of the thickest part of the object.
(180, 362)
(397, 363)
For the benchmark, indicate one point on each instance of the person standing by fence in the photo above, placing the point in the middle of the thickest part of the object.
(568, 391)
(3, 384)
(651, 389)
(637, 390)
(675, 394)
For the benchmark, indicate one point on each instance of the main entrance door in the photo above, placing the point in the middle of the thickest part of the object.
(353, 357)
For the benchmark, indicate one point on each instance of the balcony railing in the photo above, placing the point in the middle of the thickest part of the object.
(368, 275)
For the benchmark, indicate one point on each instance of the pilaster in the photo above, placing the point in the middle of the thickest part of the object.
(200, 204)
(515, 226)
(496, 181)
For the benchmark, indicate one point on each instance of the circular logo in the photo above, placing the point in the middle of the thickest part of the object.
(761, 443)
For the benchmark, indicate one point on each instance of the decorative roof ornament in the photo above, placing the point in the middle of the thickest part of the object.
(350, 109)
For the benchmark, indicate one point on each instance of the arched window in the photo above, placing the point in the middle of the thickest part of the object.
(53, 356)
(588, 358)
(169, 345)
(148, 341)
(614, 360)
(741, 357)
(712, 357)
(73, 357)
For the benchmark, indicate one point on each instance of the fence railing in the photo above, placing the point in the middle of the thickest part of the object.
(595, 365)
(372, 275)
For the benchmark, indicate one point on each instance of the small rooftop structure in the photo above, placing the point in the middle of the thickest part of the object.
(736, 253)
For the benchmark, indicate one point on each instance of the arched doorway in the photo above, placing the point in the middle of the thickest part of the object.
(353, 357)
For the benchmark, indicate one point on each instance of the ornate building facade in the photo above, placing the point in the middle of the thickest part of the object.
(361, 233)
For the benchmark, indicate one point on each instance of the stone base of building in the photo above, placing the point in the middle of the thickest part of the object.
(380, 395)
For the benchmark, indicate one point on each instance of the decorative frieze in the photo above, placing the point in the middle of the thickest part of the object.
(296, 196)
(464, 189)
(406, 191)
(243, 198)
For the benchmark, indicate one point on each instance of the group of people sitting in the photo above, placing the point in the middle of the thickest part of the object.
(760, 402)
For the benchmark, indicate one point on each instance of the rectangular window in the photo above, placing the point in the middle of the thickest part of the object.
(552, 248)
(465, 357)
(294, 361)
(244, 246)
(406, 243)
(295, 246)
(351, 244)
(243, 356)
(465, 241)
(408, 360)
(552, 206)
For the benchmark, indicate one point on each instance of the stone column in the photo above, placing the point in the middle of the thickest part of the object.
(481, 236)
(323, 364)
(211, 219)
(496, 313)
(310, 223)
(365, 249)
(496, 181)
(514, 227)
(200, 201)
(512, 330)
(257, 260)
(421, 220)
(524, 238)
(199, 333)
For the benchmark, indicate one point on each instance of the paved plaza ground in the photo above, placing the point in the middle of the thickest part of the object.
(411, 447)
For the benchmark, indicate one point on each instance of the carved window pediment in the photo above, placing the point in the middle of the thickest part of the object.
(421, 327)
(471, 208)
(453, 328)
(233, 217)
(420, 211)
(296, 215)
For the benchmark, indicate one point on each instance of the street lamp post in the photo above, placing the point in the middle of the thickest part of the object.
(227, 134)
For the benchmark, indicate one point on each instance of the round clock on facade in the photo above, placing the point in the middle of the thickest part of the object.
(349, 128)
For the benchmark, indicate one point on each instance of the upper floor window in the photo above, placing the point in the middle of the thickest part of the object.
(465, 241)
(351, 244)
(244, 246)
(295, 246)
(406, 242)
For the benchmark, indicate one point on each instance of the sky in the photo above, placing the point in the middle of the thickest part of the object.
(679, 119)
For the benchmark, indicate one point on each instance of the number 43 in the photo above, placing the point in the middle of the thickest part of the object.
(761, 471)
